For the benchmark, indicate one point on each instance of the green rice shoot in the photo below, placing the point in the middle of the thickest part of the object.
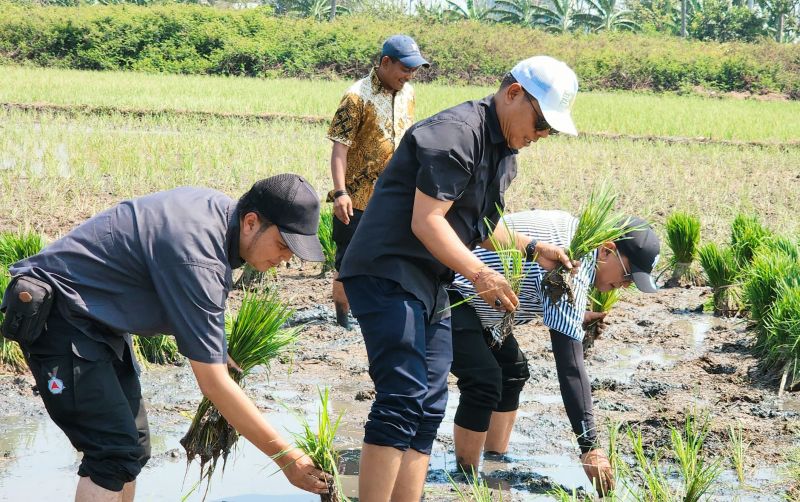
(599, 301)
(257, 336)
(325, 235)
(318, 443)
(158, 349)
(747, 234)
(781, 346)
(478, 491)
(562, 495)
(16, 246)
(737, 450)
(698, 473)
(513, 263)
(597, 224)
(683, 238)
(760, 289)
(721, 270)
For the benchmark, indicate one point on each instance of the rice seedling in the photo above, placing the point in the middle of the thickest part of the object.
(737, 450)
(318, 443)
(479, 491)
(649, 472)
(721, 269)
(781, 346)
(760, 288)
(325, 234)
(513, 263)
(256, 337)
(600, 301)
(11, 355)
(562, 495)
(598, 223)
(747, 234)
(782, 244)
(683, 238)
(17, 246)
(159, 349)
(698, 473)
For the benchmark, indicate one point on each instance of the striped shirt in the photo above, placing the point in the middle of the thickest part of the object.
(554, 227)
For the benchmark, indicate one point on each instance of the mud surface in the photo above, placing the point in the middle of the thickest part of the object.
(658, 356)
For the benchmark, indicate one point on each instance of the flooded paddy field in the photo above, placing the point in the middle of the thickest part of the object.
(659, 357)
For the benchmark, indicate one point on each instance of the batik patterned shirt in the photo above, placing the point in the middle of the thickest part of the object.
(370, 121)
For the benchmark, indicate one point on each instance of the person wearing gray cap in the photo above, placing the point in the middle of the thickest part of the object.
(440, 195)
(491, 370)
(371, 119)
(161, 263)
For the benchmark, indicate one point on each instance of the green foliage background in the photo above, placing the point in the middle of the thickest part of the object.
(193, 39)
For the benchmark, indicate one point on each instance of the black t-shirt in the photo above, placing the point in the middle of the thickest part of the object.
(457, 155)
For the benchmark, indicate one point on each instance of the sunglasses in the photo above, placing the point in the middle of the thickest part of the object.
(541, 123)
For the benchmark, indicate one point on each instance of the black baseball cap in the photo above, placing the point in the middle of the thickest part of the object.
(289, 201)
(404, 49)
(643, 248)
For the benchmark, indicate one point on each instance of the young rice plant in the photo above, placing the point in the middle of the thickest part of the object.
(760, 289)
(747, 234)
(737, 450)
(325, 234)
(720, 266)
(479, 491)
(159, 349)
(11, 355)
(318, 444)
(598, 223)
(683, 238)
(513, 262)
(256, 338)
(600, 301)
(782, 342)
(17, 246)
(698, 473)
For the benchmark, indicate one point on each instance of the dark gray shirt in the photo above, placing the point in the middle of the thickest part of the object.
(156, 264)
(457, 155)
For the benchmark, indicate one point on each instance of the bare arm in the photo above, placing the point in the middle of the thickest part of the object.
(432, 229)
(343, 205)
(242, 414)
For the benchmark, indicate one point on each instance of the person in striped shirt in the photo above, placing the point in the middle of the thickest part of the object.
(491, 372)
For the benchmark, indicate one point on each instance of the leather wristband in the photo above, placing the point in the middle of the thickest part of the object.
(530, 250)
(339, 193)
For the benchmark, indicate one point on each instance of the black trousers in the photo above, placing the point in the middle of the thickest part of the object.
(343, 234)
(490, 378)
(97, 403)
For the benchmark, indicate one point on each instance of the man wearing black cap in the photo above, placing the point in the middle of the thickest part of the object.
(367, 127)
(492, 371)
(161, 263)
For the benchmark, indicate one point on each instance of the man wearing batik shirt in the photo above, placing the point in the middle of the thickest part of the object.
(492, 371)
(367, 127)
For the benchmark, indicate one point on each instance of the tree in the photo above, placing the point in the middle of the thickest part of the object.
(559, 18)
(779, 13)
(604, 15)
(522, 12)
(474, 10)
(723, 23)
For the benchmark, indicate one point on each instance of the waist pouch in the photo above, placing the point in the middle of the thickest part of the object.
(26, 304)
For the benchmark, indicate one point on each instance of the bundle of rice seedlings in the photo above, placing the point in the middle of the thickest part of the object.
(761, 280)
(256, 337)
(782, 343)
(325, 235)
(598, 224)
(721, 268)
(159, 349)
(317, 443)
(250, 278)
(782, 244)
(600, 301)
(683, 238)
(11, 356)
(513, 263)
(747, 234)
(17, 246)
(687, 445)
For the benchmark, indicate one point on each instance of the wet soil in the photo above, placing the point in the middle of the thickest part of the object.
(659, 356)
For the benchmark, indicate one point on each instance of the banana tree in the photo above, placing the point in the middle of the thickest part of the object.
(606, 15)
(559, 17)
(473, 10)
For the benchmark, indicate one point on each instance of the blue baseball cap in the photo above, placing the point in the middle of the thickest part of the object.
(404, 49)
(554, 85)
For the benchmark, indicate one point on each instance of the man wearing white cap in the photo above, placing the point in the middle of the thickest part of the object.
(440, 195)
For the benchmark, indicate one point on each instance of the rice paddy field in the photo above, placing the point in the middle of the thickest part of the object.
(73, 143)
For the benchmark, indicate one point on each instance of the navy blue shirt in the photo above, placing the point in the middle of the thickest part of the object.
(156, 264)
(458, 155)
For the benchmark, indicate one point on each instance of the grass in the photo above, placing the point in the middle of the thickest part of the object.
(737, 450)
(683, 239)
(325, 234)
(598, 223)
(721, 269)
(624, 113)
(256, 338)
(318, 443)
(15, 246)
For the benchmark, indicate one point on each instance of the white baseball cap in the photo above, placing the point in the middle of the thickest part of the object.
(554, 85)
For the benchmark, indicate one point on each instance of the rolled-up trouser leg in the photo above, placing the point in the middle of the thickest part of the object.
(479, 375)
(514, 367)
(393, 324)
(97, 403)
